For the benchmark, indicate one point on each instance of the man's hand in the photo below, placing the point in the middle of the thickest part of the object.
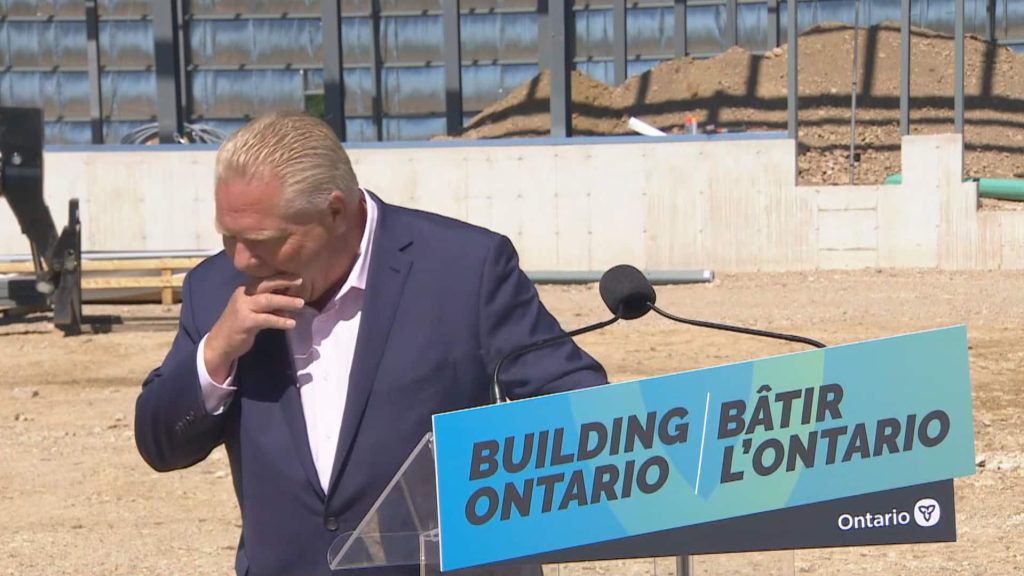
(260, 304)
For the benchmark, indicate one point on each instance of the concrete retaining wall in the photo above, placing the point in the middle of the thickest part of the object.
(725, 205)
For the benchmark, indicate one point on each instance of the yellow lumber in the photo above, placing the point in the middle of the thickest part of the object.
(114, 265)
(137, 282)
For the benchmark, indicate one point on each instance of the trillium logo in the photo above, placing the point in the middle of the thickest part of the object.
(927, 512)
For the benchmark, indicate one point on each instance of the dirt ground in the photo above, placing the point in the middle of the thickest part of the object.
(75, 498)
(738, 89)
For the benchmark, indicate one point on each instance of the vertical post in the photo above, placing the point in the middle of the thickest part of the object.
(679, 37)
(334, 80)
(166, 52)
(684, 565)
(904, 67)
(543, 36)
(560, 57)
(452, 65)
(990, 20)
(377, 71)
(184, 9)
(730, 23)
(854, 86)
(1006, 18)
(793, 85)
(619, 39)
(92, 34)
(773, 24)
(958, 69)
(166, 287)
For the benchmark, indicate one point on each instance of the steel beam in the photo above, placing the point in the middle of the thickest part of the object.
(679, 37)
(334, 79)
(905, 67)
(377, 68)
(730, 23)
(958, 68)
(452, 65)
(92, 35)
(560, 58)
(619, 39)
(793, 86)
(168, 78)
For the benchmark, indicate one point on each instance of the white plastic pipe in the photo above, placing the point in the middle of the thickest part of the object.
(641, 127)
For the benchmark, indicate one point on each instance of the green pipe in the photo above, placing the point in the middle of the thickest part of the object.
(999, 188)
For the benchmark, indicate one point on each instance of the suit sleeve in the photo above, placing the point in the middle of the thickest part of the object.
(173, 429)
(512, 316)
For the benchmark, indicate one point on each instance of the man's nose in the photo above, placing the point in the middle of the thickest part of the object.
(244, 259)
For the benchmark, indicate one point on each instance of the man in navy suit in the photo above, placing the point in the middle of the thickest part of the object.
(317, 345)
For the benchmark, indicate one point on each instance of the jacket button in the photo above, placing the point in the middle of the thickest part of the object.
(331, 523)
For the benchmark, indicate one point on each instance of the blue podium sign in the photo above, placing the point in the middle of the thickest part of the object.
(601, 464)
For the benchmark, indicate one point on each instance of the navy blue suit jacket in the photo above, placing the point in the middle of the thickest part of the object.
(444, 301)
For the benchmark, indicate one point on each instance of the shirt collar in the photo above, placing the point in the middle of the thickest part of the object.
(360, 269)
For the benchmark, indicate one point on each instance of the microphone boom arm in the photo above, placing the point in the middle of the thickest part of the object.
(739, 329)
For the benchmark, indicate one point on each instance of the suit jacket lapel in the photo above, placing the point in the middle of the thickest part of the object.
(277, 368)
(389, 268)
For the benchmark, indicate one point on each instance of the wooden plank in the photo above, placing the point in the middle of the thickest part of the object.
(147, 282)
(115, 265)
(166, 293)
(140, 264)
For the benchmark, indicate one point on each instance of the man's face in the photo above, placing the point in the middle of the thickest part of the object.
(262, 242)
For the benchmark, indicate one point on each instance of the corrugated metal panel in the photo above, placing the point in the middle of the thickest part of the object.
(256, 42)
(62, 44)
(231, 7)
(126, 43)
(43, 44)
(66, 94)
(242, 93)
(1015, 19)
(123, 8)
(405, 40)
(499, 37)
(62, 8)
(69, 133)
(60, 94)
(73, 8)
(413, 91)
(46, 59)
(274, 42)
(128, 95)
(485, 85)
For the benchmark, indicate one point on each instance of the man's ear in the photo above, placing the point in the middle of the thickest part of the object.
(337, 207)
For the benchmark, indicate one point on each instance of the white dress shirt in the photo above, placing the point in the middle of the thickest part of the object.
(322, 346)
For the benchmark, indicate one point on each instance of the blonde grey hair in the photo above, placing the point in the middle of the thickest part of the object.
(301, 151)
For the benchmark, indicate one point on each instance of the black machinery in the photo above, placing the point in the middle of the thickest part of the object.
(56, 258)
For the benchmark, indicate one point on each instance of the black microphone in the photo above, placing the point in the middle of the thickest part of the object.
(641, 295)
(625, 291)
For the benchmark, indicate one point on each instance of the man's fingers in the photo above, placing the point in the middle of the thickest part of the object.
(276, 302)
(273, 321)
(273, 284)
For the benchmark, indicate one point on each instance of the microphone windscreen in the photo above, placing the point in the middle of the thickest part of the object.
(627, 292)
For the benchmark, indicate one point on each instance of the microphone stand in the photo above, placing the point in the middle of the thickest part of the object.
(498, 395)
